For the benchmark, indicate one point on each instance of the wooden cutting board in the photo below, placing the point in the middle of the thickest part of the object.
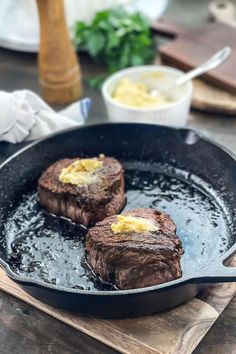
(189, 48)
(210, 98)
(177, 331)
(206, 96)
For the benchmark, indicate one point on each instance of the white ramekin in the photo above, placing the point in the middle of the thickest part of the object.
(173, 114)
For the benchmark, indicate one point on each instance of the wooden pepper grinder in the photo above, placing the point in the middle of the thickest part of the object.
(59, 70)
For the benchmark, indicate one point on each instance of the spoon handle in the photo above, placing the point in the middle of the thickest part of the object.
(208, 65)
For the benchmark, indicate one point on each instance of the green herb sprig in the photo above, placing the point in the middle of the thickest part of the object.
(117, 39)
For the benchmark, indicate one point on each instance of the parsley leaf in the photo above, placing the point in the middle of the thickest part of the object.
(117, 39)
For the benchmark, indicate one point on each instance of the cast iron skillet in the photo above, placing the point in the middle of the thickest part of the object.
(205, 190)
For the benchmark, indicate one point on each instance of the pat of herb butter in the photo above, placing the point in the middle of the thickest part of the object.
(137, 95)
(132, 224)
(81, 171)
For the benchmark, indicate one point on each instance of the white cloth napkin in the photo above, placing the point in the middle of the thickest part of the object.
(25, 116)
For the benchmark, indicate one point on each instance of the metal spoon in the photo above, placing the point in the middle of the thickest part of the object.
(212, 63)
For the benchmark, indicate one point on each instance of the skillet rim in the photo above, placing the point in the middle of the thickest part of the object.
(190, 279)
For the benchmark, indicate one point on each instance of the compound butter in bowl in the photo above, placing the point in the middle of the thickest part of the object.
(147, 94)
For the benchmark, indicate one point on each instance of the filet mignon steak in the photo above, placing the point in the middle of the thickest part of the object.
(135, 259)
(85, 203)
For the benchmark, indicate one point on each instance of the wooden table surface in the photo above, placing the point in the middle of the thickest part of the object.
(25, 330)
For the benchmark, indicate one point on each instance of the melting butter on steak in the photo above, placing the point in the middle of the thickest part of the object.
(144, 254)
(83, 191)
(82, 171)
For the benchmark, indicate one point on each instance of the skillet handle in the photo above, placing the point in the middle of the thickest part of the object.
(217, 272)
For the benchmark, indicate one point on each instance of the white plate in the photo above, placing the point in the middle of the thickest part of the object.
(19, 24)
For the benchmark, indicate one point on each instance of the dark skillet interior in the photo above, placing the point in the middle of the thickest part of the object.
(161, 165)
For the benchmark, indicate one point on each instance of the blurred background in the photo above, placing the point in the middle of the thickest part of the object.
(19, 38)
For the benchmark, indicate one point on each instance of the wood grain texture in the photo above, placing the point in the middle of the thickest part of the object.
(176, 331)
(192, 47)
(27, 330)
(221, 339)
(60, 76)
(210, 98)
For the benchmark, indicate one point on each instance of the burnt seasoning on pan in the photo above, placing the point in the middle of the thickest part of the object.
(51, 249)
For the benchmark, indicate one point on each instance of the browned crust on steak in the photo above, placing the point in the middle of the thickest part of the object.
(133, 260)
(85, 204)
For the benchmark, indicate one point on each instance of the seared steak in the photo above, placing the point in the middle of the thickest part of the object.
(135, 259)
(85, 203)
